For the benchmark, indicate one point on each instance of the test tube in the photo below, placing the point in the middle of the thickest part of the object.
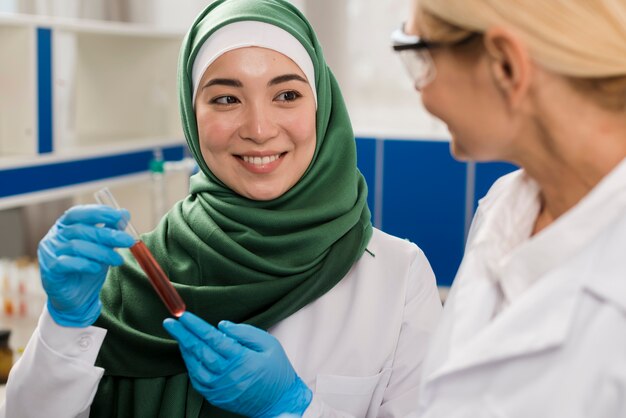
(159, 280)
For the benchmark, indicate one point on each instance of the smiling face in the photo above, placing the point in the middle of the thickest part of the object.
(256, 122)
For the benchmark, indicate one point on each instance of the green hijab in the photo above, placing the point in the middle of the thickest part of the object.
(230, 257)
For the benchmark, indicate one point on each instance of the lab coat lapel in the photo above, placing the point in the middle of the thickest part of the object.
(540, 318)
(539, 321)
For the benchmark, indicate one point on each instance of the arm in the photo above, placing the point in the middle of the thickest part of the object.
(422, 313)
(56, 373)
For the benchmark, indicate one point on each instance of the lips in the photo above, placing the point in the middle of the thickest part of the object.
(261, 164)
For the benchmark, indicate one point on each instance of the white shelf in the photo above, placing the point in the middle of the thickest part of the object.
(85, 25)
(113, 87)
(81, 94)
(53, 176)
(17, 84)
(92, 151)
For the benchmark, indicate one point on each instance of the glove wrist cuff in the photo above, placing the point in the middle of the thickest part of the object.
(78, 318)
(294, 401)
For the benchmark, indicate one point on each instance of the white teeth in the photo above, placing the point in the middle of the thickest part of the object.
(260, 160)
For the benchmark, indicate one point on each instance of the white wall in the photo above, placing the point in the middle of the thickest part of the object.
(355, 35)
(174, 14)
(356, 39)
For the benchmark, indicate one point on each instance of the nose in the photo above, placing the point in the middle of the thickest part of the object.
(258, 124)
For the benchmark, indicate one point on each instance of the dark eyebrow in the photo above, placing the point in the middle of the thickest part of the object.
(223, 82)
(285, 78)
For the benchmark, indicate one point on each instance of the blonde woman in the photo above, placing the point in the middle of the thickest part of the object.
(535, 325)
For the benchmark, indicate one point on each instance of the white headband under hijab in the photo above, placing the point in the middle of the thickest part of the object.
(251, 33)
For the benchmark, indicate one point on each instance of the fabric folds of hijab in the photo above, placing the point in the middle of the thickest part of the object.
(230, 257)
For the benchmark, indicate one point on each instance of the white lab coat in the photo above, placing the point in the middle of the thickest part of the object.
(558, 348)
(359, 347)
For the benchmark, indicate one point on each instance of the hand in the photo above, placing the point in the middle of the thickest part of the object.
(74, 257)
(239, 368)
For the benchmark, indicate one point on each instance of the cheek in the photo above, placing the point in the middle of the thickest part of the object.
(301, 126)
(214, 132)
(436, 103)
(429, 100)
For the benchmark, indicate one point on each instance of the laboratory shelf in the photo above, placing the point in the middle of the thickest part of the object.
(55, 177)
(82, 101)
(113, 86)
(18, 127)
(69, 84)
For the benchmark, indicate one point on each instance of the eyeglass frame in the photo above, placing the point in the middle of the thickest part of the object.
(403, 42)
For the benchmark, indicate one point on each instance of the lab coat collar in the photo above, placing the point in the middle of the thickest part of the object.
(571, 233)
(541, 317)
(608, 278)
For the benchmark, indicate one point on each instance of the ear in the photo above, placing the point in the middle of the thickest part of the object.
(510, 63)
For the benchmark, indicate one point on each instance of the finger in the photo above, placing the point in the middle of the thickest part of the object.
(247, 335)
(197, 370)
(209, 334)
(93, 214)
(223, 345)
(90, 251)
(192, 346)
(64, 265)
(121, 224)
(104, 236)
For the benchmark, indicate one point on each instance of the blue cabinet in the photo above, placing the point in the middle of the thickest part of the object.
(421, 193)
(486, 175)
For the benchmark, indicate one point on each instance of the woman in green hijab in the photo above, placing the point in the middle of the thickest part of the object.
(299, 305)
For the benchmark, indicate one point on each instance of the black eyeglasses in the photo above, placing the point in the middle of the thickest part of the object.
(415, 55)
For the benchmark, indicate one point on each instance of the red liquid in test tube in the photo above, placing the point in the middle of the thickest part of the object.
(159, 280)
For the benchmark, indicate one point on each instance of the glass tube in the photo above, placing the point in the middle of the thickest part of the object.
(159, 280)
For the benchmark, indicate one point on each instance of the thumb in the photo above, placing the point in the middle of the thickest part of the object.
(247, 335)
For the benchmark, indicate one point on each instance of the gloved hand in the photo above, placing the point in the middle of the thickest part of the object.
(239, 368)
(74, 257)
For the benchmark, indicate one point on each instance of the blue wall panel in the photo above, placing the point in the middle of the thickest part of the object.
(44, 90)
(486, 175)
(424, 201)
(16, 181)
(366, 161)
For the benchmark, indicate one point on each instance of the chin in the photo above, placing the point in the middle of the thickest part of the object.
(262, 195)
(458, 152)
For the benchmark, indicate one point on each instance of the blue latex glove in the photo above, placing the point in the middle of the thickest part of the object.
(239, 368)
(74, 257)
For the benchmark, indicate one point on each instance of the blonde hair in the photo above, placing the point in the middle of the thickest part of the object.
(582, 39)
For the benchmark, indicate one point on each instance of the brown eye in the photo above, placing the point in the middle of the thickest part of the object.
(225, 100)
(288, 96)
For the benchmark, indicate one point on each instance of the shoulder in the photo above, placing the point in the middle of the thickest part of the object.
(502, 186)
(395, 263)
(402, 269)
(383, 246)
(503, 196)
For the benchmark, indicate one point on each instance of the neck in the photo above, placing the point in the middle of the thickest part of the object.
(570, 155)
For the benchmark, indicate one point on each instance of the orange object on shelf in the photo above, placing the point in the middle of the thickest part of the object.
(9, 308)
